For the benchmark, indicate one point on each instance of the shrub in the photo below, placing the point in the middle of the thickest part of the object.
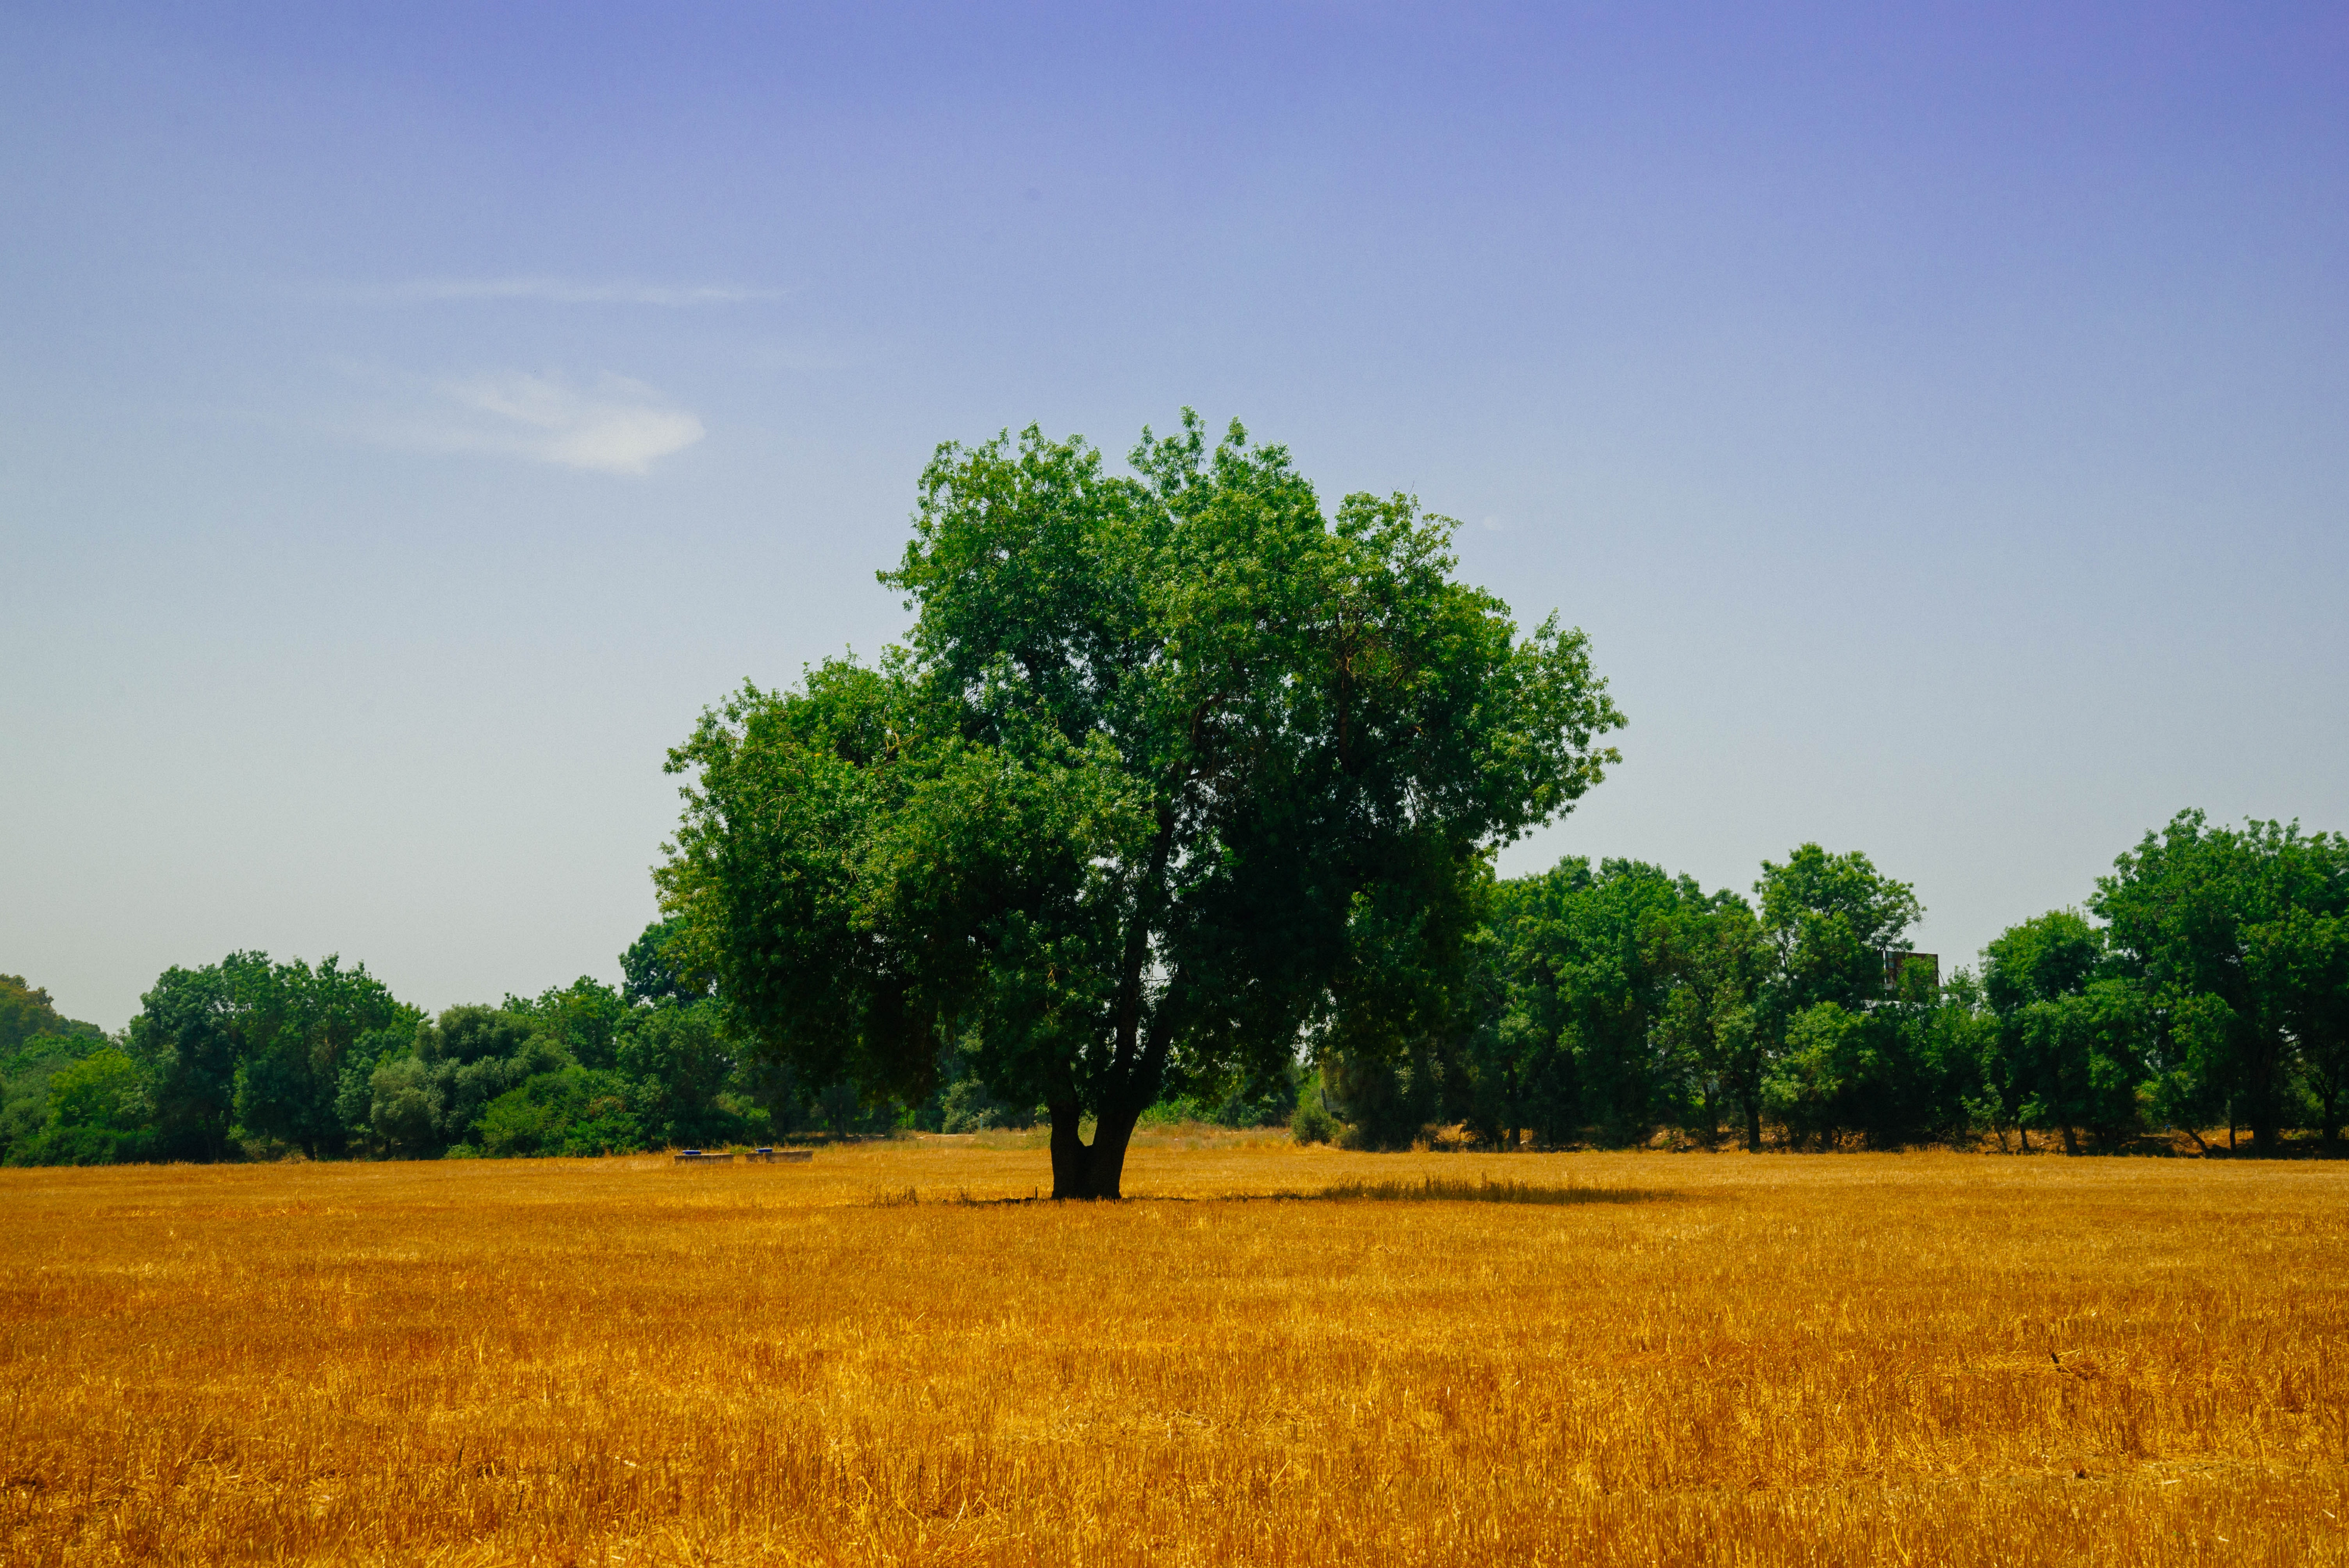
(1310, 1122)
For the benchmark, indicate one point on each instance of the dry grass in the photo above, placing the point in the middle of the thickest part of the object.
(1930, 1359)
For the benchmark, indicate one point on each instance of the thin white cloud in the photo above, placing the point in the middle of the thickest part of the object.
(570, 291)
(611, 425)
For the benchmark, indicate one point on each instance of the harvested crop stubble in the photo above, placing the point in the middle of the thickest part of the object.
(1697, 1359)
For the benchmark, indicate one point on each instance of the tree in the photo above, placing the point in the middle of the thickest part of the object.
(681, 1062)
(194, 1031)
(2069, 1037)
(1576, 1041)
(291, 1077)
(572, 1110)
(26, 1013)
(2298, 965)
(1159, 748)
(1830, 919)
(355, 1084)
(99, 1114)
(1393, 1043)
(2223, 930)
(1834, 1064)
(250, 1047)
(586, 1017)
(35, 1044)
(1711, 961)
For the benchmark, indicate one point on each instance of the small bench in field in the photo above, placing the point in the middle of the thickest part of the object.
(697, 1157)
(769, 1156)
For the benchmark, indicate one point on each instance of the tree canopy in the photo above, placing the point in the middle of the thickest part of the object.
(1173, 770)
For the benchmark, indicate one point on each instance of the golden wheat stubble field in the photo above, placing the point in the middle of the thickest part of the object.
(1928, 1358)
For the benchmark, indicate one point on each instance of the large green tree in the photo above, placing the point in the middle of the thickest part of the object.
(1160, 749)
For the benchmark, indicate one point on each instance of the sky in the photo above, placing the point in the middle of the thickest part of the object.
(412, 415)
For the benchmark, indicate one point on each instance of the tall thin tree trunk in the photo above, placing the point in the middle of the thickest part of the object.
(1752, 1126)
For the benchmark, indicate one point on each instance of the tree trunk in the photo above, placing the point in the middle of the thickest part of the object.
(1137, 1062)
(2071, 1140)
(1105, 1170)
(1095, 1169)
(1753, 1127)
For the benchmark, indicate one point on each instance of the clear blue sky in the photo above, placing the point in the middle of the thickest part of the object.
(411, 415)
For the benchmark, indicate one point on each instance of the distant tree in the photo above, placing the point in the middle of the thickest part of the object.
(430, 1098)
(355, 1083)
(405, 1105)
(1711, 961)
(477, 1054)
(1577, 1037)
(2071, 1039)
(1836, 1065)
(586, 1018)
(1156, 749)
(1826, 1073)
(571, 1110)
(253, 1047)
(194, 1031)
(41, 1044)
(291, 1074)
(99, 1114)
(2299, 967)
(25, 1013)
(683, 1062)
(2225, 930)
(1830, 919)
(1392, 1045)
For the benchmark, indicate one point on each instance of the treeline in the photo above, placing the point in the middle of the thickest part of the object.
(249, 1058)
(2205, 986)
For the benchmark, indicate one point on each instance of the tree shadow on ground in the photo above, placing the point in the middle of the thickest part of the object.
(1428, 1189)
(1459, 1190)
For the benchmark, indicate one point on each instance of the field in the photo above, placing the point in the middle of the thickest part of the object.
(1269, 1355)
